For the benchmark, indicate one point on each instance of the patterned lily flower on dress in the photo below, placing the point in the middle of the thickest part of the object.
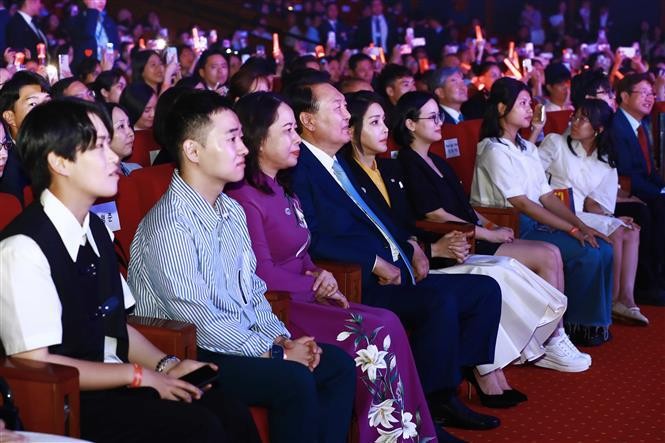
(392, 436)
(408, 427)
(382, 414)
(370, 360)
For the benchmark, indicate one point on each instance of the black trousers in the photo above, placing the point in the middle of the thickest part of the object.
(139, 415)
(303, 406)
(651, 218)
(453, 321)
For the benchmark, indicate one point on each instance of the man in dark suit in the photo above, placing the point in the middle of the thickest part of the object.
(332, 23)
(453, 326)
(22, 31)
(447, 84)
(4, 20)
(91, 31)
(631, 138)
(377, 29)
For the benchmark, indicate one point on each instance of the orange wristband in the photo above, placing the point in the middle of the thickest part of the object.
(138, 376)
(490, 225)
(573, 230)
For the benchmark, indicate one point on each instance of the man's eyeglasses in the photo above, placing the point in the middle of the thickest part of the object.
(645, 94)
(436, 118)
(6, 144)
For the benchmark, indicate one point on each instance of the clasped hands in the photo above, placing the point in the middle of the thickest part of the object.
(326, 290)
(304, 350)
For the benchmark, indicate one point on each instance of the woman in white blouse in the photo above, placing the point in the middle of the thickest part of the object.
(584, 162)
(509, 174)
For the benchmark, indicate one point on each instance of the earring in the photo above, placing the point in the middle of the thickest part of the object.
(595, 134)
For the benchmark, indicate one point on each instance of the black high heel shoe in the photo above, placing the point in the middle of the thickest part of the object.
(497, 401)
(516, 395)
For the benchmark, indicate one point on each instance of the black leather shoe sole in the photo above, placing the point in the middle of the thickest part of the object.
(461, 417)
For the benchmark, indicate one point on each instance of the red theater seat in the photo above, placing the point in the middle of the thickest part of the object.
(10, 207)
(144, 146)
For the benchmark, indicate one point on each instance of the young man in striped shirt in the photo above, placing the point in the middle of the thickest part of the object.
(191, 260)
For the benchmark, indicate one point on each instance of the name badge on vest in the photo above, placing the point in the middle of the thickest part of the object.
(108, 213)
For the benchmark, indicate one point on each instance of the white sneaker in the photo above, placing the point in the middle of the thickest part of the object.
(573, 348)
(560, 357)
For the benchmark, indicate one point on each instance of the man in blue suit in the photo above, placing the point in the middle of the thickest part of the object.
(92, 30)
(453, 318)
(632, 141)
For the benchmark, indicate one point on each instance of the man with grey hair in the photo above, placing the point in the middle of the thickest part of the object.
(447, 84)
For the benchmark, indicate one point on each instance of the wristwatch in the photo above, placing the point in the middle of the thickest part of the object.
(277, 352)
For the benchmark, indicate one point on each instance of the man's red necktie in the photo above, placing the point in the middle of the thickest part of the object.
(644, 144)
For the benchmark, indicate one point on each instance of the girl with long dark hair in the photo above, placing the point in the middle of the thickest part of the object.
(509, 173)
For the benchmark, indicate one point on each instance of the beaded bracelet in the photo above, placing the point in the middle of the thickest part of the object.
(165, 361)
(138, 376)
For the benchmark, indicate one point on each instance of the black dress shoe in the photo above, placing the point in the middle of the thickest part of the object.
(653, 297)
(455, 414)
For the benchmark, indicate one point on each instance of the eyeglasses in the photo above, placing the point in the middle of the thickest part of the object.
(645, 94)
(609, 94)
(436, 118)
(6, 144)
(86, 94)
(579, 119)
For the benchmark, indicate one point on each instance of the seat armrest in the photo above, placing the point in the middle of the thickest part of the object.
(46, 395)
(280, 302)
(170, 336)
(348, 276)
(625, 184)
(508, 217)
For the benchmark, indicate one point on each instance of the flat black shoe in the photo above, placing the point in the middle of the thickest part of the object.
(455, 414)
(515, 395)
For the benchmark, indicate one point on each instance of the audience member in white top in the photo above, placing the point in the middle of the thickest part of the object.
(585, 162)
(509, 174)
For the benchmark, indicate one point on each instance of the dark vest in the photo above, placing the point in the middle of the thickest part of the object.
(92, 299)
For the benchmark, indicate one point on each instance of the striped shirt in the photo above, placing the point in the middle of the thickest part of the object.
(194, 263)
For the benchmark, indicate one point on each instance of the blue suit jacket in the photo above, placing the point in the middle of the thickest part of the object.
(82, 29)
(340, 230)
(20, 35)
(630, 161)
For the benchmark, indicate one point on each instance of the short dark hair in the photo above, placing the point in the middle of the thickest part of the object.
(556, 73)
(59, 87)
(505, 90)
(357, 58)
(165, 102)
(389, 75)
(85, 67)
(59, 126)
(189, 116)
(134, 99)
(408, 107)
(588, 83)
(255, 126)
(357, 103)
(627, 83)
(203, 59)
(300, 95)
(11, 90)
(105, 81)
(139, 59)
